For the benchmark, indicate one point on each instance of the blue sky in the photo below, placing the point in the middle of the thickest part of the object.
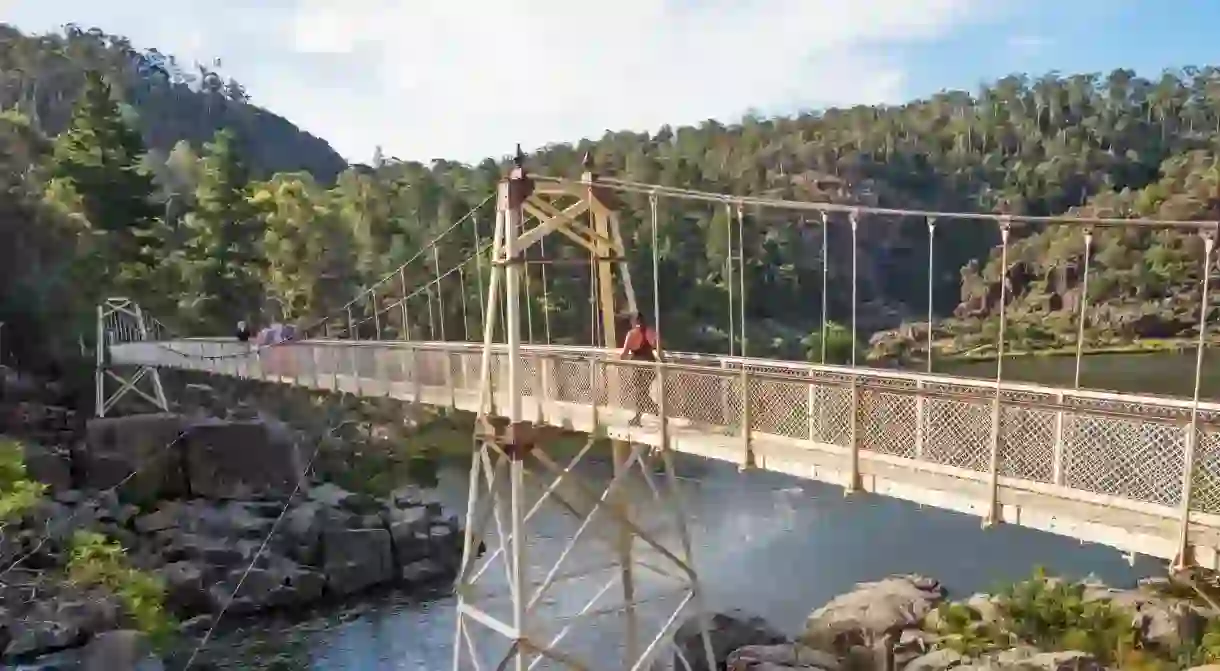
(465, 79)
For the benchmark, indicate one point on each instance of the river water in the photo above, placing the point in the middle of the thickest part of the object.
(767, 543)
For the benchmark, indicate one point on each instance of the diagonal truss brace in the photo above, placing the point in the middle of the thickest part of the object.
(119, 320)
(510, 463)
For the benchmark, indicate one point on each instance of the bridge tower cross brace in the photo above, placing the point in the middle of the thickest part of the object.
(511, 443)
(120, 320)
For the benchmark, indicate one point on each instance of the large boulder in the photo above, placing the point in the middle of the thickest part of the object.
(121, 650)
(356, 559)
(147, 445)
(871, 612)
(278, 583)
(1169, 622)
(728, 631)
(50, 466)
(239, 459)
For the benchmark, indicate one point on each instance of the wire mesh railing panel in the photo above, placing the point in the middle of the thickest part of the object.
(573, 380)
(1131, 449)
(779, 407)
(1128, 458)
(710, 400)
(830, 415)
(957, 432)
(889, 423)
(1027, 449)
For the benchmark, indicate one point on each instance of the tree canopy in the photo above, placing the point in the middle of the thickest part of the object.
(237, 237)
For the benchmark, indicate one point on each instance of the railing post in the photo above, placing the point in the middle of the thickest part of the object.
(725, 385)
(920, 419)
(593, 394)
(315, 381)
(661, 409)
(334, 368)
(448, 360)
(547, 373)
(853, 482)
(994, 512)
(417, 376)
(1184, 557)
(1057, 464)
(404, 366)
(351, 356)
(747, 443)
(383, 373)
(811, 400)
(101, 348)
(540, 390)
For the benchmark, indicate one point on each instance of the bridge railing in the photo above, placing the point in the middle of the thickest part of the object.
(1116, 450)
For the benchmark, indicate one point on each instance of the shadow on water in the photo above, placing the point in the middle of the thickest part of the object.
(765, 542)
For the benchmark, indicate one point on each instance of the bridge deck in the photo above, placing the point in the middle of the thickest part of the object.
(1100, 467)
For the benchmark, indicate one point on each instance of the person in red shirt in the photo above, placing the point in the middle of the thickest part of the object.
(641, 344)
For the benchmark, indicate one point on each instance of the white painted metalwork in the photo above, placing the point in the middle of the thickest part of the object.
(1100, 466)
(119, 321)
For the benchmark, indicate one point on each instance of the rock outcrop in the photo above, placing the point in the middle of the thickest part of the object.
(902, 623)
(728, 631)
(330, 543)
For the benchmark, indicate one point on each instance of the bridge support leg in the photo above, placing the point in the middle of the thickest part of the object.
(565, 588)
(122, 322)
(598, 541)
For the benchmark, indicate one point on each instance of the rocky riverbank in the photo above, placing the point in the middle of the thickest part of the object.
(907, 623)
(193, 500)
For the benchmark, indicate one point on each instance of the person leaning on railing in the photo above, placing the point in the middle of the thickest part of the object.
(641, 344)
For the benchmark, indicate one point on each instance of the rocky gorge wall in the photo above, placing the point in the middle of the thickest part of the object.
(907, 623)
(192, 499)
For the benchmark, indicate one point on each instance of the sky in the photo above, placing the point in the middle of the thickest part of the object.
(467, 79)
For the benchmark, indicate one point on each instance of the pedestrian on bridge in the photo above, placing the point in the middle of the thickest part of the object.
(641, 344)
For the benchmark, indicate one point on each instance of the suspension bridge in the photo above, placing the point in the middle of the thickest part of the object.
(1139, 473)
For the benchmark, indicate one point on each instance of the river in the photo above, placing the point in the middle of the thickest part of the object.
(768, 543)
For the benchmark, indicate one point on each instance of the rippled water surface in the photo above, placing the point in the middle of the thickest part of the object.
(770, 544)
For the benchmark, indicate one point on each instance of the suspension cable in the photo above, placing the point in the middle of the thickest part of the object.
(1005, 228)
(931, 271)
(345, 309)
(462, 288)
(546, 298)
(628, 186)
(854, 218)
(478, 255)
(656, 266)
(440, 294)
(406, 317)
(1084, 306)
(1192, 440)
(529, 304)
(728, 264)
(825, 279)
(431, 320)
(741, 275)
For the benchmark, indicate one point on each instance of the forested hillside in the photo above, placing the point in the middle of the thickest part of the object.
(225, 239)
(42, 76)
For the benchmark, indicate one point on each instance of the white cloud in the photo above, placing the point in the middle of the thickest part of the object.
(466, 79)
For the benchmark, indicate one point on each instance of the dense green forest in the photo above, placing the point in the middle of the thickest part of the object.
(125, 174)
